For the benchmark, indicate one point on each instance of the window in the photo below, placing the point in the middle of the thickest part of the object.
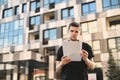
(7, 13)
(49, 34)
(49, 51)
(11, 33)
(96, 46)
(24, 8)
(111, 4)
(33, 37)
(114, 44)
(67, 13)
(89, 27)
(35, 6)
(114, 24)
(34, 21)
(49, 17)
(17, 10)
(3, 2)
(49, 3)
(88, 8)
(59, 1)
(64, 32)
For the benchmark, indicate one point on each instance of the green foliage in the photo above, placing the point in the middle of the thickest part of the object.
(113, 72)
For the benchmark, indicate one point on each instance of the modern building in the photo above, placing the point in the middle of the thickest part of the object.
(31, 31)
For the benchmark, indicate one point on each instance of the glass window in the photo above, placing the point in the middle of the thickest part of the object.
(34, 5)
(110, 4)
(10, 12)
(49, 17)
(11, 33)
(68, 13)
(118, 44)
(114, 24)
(3, 2)
(2, 28)
(16, 24)
(65, 13)
(24, 8)
(112, 45)
(64, 31)
(17, 10)
(52, 34)
(35, 20)
(49, 34)
(89, 27)
(20, 39)
(88, 8)
(6, 11)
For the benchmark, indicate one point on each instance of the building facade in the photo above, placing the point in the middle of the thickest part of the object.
(31, 31)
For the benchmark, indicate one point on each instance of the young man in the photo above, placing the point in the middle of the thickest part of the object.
(74, 70)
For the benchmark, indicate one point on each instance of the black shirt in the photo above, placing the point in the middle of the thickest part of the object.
(75, 70)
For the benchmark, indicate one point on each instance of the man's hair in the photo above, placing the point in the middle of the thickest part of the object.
(75, 24)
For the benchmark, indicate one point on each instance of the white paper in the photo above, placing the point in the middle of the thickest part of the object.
(72, 49)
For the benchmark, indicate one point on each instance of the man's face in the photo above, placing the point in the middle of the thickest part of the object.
(73, 32)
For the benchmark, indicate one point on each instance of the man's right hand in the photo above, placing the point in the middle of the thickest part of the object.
(65, 60)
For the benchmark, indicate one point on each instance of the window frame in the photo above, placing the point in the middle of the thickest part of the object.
(89, 9)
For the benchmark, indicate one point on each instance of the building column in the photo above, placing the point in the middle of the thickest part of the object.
(15, 72)
(51, 67)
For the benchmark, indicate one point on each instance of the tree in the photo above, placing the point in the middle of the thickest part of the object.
(113, 72)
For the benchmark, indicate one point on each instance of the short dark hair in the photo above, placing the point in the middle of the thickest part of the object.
(75, 24)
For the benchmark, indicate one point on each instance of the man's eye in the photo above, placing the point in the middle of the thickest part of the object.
(76, 31)
(71, 31)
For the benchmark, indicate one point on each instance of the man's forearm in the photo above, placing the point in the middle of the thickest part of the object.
(59, 66)
(90, 63)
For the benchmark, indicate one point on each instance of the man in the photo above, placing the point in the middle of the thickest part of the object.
(74, 70)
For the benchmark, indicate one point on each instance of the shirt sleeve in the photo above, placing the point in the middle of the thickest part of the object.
(88, 48)
(59, 54)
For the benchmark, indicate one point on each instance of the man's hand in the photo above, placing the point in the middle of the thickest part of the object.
(84, 54)
(65, 60)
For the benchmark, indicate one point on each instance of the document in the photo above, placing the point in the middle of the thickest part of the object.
(72, 49)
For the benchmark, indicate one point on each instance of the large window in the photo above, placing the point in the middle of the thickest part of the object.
(111, 4)
(35, 6)
(114, 44)
(2, 2)
(67, 13)
(49, 34)
(89, 27)
(7, 12)
(114, 25)
(49, 3)
(49, 17)
(88, 8)
(11, 33)
(34, 21)
(24, 8)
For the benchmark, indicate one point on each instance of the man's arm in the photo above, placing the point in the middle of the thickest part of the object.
(59, 64)
(89, 62)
